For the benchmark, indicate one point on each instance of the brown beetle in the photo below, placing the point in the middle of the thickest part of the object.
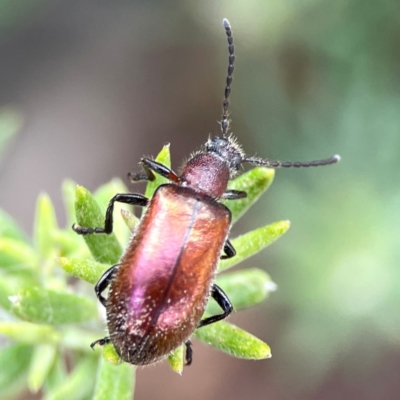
(161, 286)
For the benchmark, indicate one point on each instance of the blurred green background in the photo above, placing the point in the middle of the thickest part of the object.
(96, 85)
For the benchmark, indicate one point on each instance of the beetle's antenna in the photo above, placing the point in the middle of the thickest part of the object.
(288, 164)
(225, 104)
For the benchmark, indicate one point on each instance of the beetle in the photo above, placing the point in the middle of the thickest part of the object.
(159, 289)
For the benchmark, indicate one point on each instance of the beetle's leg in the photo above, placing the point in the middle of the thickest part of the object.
(160, 169)
(127, 198)
(222, 299)
(234, 195)
(103, 282)
(151, 166)
(229, 250)
(188, 353)
(100, 342)
(146, 175)
(140, 176)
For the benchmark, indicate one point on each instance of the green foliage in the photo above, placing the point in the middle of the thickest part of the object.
(50, 314)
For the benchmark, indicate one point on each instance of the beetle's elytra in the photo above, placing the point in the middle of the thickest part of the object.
(160, 287)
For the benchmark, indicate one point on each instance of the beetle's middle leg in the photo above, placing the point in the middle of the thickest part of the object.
(101, 342)
(103, 282)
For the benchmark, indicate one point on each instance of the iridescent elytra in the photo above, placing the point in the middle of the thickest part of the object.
(159, 289)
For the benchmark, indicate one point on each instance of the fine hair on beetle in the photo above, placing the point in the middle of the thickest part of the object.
(159, 289)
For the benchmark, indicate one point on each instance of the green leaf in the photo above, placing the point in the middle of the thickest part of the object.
(28, 333)
(253, 242)
(111, 355)
(10, 229)
(45, 226)
(78, 385)
(88, 270)
(11, 283)
(78, 339)
(175, 359)
(131, 221)
(42, 360)
(234, 341)
(57, 374)
(14, 363)
(52, 307)
(18, 252)
(104, 248)
(68, 190)
(69, 243)
(244, 289)
(164, 158)
(255, 182)
(114, 382)
(10, 123)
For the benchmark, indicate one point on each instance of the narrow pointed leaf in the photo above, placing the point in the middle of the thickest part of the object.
(26, 332)
(244, 289)
(52, 307)
(18, 252)
(68, 242)
(78, 385)
(234, 341)
(253, 242)
(130, 219)
(57, 375)
(12, 284)
(164, 158)
(14, 364)
(10, 123)
(68, 190)
(88, 270)
(78, 339)
(104, 248)
(111, 355)
(42, 360)
(255, 182)
(175, 359)
(114, 382)
(10, 229)
(45, 226)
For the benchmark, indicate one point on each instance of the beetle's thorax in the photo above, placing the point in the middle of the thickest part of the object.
(209, 172)
(206, 173)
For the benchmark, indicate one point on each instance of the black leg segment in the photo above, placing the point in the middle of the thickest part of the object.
(140, 176)
(223, 301)
(229, 250)
(126, 198)
(100, 342)
(103, 282)
(234, 195)
(188, 353)
(151, 166)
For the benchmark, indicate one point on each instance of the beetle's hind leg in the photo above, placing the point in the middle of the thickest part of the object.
(229, 250)
(126, 198)
(223, 301)
(188, 353)
(100, 342)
